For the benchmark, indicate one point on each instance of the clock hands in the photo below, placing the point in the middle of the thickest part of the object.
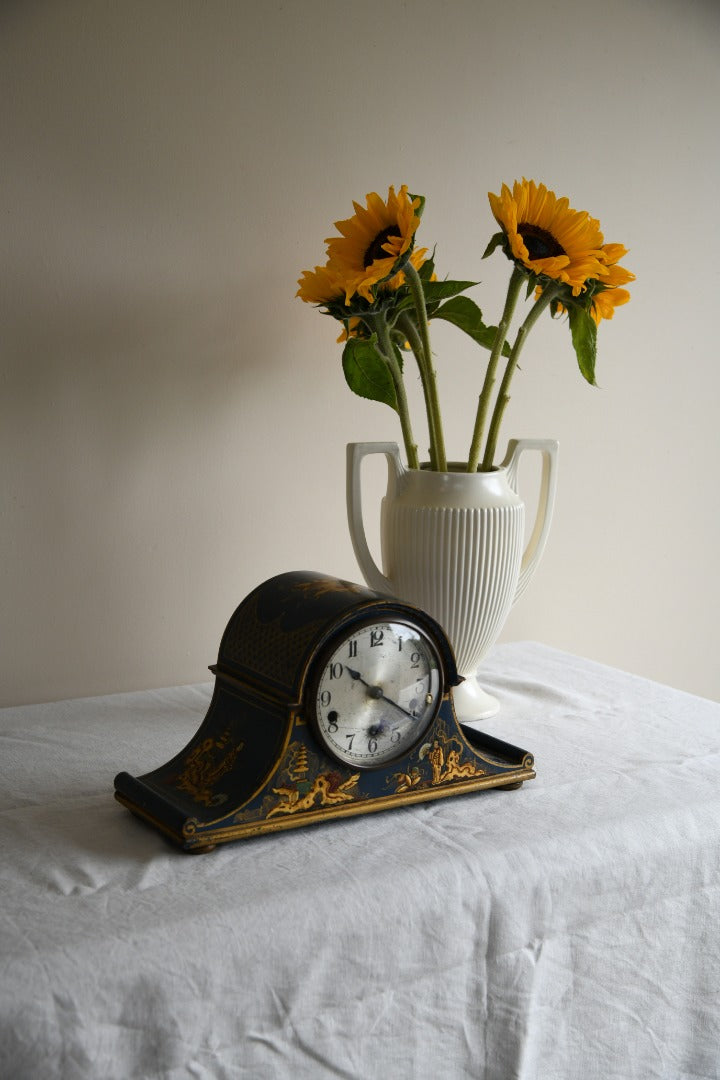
(373, 691)
(377, 692)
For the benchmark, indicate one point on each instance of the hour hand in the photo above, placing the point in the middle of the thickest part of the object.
(373, 691)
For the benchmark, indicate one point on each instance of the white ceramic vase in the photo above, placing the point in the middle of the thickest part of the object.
(452, 543)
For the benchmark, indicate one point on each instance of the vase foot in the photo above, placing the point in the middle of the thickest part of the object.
(472, 702)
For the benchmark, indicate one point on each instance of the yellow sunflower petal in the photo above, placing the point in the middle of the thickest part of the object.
(604, 304)
(615, 274)
(614, 252)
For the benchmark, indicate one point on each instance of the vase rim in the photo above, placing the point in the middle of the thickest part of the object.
(458, 467)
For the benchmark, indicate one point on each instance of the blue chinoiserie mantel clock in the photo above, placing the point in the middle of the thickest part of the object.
(330, 700)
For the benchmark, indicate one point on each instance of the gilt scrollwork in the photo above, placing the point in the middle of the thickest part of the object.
(205, 766)
(327, 789)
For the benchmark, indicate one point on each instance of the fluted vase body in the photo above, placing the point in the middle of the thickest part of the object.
(453, 544)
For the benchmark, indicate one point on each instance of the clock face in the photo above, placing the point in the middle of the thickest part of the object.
(377, 693)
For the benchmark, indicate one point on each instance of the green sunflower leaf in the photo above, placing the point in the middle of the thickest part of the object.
(437, 291)
(366, 373)
(584, 339)
(498, 240)
(467, 316)
(427, 269)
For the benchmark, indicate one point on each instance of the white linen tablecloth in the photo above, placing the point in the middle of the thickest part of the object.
(569, 930)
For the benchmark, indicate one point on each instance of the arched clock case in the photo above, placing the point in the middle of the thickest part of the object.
(330, 700)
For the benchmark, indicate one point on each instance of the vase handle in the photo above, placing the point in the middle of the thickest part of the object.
(546, 501)
(355, 453)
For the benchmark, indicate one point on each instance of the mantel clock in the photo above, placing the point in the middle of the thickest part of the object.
(330, 700)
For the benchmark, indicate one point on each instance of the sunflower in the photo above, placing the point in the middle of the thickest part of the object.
(547, 236)
(323, 286)
(375, 242)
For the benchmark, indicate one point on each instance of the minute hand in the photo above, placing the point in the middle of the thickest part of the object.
(396, 706)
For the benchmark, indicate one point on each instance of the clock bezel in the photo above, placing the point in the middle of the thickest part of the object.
(320, 660)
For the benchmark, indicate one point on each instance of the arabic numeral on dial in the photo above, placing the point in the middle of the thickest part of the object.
(395, 736)
(415, 659)
(352, 649)
(335, 670)
(332, 722)
(372, 746)
(350, 738)
(376, 637)
(325, 698)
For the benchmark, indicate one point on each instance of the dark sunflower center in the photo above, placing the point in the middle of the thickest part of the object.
(540, 243)
(375, 249)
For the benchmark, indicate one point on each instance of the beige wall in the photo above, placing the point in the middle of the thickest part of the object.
(173, 421)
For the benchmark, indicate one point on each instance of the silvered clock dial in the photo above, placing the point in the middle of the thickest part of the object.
(378, 691)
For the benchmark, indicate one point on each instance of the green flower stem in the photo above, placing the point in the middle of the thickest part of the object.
(516, 281)
(408, 328)
(379, 323)
(503, 397)
(427, 371)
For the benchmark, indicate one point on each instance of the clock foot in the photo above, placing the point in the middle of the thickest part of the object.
(510, 787)
(200, 850)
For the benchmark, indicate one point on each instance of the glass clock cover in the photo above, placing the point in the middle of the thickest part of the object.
(378, 690)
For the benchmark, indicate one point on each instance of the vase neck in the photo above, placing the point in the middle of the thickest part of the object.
(453, 488)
